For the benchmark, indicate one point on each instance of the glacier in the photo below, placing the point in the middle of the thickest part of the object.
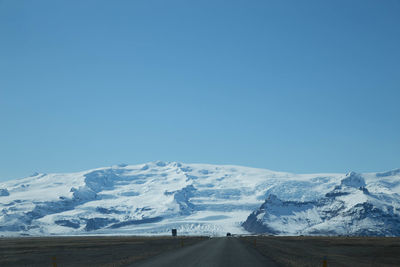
(198, 199)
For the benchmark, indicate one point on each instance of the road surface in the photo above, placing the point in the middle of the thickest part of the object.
(225, 251)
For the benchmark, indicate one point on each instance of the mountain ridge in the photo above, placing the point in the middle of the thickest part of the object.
(154, 197)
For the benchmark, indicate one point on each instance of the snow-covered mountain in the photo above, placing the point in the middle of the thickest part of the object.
(154, 197)
(354, 207)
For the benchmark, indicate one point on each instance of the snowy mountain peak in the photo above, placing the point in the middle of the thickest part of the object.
(348, 209)
(353, 179)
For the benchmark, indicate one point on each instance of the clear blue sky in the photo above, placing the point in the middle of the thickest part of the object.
(300, 86)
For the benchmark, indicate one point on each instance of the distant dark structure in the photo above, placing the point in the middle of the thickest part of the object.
(173, 232)
(228, 234)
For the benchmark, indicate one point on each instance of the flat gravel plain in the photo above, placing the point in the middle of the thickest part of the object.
(87, 250)
(199, 251)
(338, 251)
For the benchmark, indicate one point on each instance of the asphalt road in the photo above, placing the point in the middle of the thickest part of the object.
(224, 251)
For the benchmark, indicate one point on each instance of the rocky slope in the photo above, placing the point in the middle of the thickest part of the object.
(349, 209)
